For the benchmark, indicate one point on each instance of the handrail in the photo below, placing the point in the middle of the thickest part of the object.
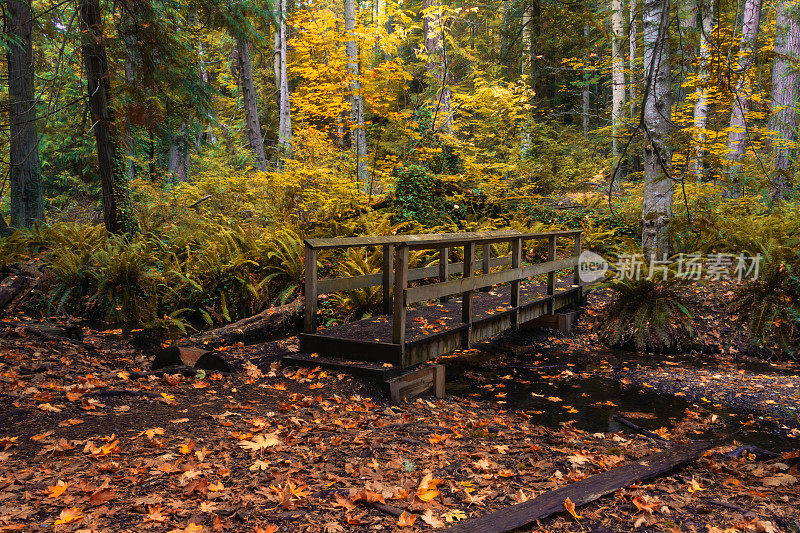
(421, 238)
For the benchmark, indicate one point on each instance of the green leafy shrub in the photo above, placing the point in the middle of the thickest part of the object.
(648, 315)
(416, 196)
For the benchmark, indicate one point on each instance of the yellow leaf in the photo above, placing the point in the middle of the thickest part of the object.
(570, 507)
(67, 516)
(58, 489)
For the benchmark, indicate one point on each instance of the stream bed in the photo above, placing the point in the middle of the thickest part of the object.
(588, 392)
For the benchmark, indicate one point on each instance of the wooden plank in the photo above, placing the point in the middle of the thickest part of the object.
(373, 371)
(382, 352)
(326, 286)
(466, 295)
(417, 244)
(438, 381)
(400, 284)
(516, 262)
(457, 286)
(576, 279)
(486, 266)
(551, 276)
(412, 383)
(583, 491)
(310, 289)
(444, 272)
(387, 278)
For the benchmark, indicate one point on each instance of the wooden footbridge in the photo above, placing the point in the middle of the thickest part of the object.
(436, 309)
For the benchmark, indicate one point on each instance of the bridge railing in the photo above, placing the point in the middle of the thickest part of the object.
(396, 273)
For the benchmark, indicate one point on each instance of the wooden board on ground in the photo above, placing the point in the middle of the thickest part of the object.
(416, 382)
(583, 491)
(561, 321)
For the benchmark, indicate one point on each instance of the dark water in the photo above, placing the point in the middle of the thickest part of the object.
(586, 395)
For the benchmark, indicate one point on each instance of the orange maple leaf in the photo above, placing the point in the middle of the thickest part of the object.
(406, 519)
(67, 516)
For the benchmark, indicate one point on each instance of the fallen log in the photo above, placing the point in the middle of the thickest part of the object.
(270, 323)
(584, 491)
(24, 280)
(760, 453)
(638, 429)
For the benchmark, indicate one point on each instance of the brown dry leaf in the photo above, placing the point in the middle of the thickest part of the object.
(261, 442)
(779, 480)
(155, 514)
(431, 519)
(269, 528)
(101, 496)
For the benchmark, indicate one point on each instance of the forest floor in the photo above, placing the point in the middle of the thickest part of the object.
(91, 441)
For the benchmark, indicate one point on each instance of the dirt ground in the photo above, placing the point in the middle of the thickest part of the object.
(90, 441)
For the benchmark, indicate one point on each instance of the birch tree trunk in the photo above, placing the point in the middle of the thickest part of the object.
(25, 170)
(700, 121)
(282, 84)
(634, 32)
(253, 125)
(357, 133)
(433, 29)
(117, 207)
(785, 91)
(658, 186)
(737, 136)
(617, 77)
(130, 41)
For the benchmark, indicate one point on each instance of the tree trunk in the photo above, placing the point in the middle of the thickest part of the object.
(634, 32)
(130, 41)
(687, 21)
(179, 156)
(585, 94)
(117, 208)
(785, 92)
(433, 30)
(250, 104)
(658, 186)
(617, 78)
(737, 137)
(282, 85)
(527, 46)
(357, 133)
(701, 101)
(25, 170)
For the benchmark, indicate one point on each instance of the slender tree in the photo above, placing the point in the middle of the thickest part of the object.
(633, 32)
(658, 185)
(117, 207)
(254, 137)
(282, 85)
(617, 76)
(737, 136)
(785, 91)
(27, 205)
(357, 132)
(700, 119)
(438, 68)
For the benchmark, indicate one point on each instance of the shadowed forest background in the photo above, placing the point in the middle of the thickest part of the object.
(164, 160)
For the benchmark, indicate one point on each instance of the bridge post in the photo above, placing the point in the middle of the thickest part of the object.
(444, 268)
(388, 277)
(516, 262)
(467, 315)
(310, 288)
(551, 276)
(486, 265)
(576, 280)
(400, 285)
